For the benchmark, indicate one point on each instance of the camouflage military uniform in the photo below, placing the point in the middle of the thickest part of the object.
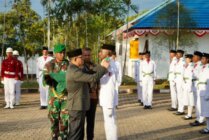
(54, 76)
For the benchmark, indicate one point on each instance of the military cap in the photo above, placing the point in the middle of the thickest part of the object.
(45, 48)
(198, 53)
(74, 53)
(59, 48)
(147, 52)
(205, 55)
(15, 52)
(189, 56)
(180, 51)
(50, 53)
(172, 51)
(108, 47)
(9, 50)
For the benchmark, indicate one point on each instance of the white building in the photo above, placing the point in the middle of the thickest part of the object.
(146, 25)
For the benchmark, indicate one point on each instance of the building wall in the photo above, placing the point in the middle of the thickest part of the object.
(31, 65)
(160, 54)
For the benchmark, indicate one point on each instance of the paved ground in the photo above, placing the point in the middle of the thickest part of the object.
(29, 123)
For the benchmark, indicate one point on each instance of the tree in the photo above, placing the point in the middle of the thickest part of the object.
(168, 19)
(26, 34)
(81, 23)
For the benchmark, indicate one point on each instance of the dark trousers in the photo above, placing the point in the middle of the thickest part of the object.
(90, 119)
(76, 125)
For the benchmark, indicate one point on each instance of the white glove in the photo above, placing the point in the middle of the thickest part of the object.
(2, 82)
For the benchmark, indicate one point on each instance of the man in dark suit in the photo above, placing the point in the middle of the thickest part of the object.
(78, 92)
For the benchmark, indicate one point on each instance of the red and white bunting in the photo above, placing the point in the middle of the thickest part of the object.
(155, 32)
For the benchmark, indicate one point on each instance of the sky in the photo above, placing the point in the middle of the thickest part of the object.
(36, 5)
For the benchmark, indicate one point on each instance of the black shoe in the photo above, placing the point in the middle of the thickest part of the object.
(142, 104)
(145, 107)
(179, 113)
(139, 101)
(149, 107)
(187, 117)
(54, 138)
(196, 123)
(172, 109)
(204, 131)
(43, 107)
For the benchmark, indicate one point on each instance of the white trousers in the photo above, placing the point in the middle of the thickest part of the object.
(139, 91)
(180, 95)
(199, 118)
(173, 94)
(110, 123)
(43, 93)
(17, 91)
(116, 96)
(9, 90)
(147, 91)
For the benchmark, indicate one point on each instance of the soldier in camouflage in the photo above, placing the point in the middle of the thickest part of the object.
(54, 76)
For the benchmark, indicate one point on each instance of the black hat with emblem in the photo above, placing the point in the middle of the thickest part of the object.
(205, 55)
(198, 53)
(45, 48)
(172, 51)
(108, 47)
(74, 53)
(180, 51)
(189, 56)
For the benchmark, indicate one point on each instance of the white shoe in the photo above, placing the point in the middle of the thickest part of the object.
(7, 106)
(11, 106)
(17, 103)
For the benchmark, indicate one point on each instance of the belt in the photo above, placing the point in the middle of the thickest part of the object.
(201, 83)
(147, 74)
(62, 96)
(186, 78)
(177, 73)
(10, 73)
(194, 80)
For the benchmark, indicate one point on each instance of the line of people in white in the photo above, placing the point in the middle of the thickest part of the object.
(189, 86)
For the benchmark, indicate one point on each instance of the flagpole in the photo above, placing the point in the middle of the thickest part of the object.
(48, 27)
(178, 12)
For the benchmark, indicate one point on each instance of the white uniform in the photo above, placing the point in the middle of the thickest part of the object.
(18, 91)
(202, 93)
(106, 98)
(187, 85)
(171, 77)
(118, 81)
(138, 80)
(148, 73)
(41, 61)
(203, 90)
(178, 71)
(196, 71)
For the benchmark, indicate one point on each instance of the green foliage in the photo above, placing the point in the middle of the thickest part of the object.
(168, 19)
(136, 15)
(85, 23)
(128, 80)
(23, 28)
